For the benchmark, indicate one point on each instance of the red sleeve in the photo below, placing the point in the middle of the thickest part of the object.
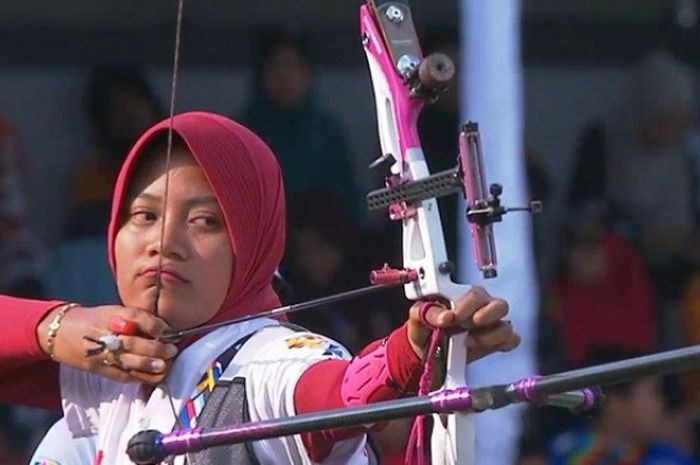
(319, 389)
(27, 375)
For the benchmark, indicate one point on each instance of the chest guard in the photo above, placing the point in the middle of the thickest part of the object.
(227, 405)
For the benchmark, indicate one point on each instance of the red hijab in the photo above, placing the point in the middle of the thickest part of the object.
(247, 182)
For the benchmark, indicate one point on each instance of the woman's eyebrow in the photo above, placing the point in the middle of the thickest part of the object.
(189, 203)
(147, 196)
(201, 200)
(192, 201)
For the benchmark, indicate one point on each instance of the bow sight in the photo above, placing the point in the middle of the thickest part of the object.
(468, 179)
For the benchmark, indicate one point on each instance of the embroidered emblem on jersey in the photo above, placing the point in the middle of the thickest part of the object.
(45, 461)
(333, 350)
(193, 407)
(310, 341)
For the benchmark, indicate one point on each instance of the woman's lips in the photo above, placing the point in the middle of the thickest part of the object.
(166, 274)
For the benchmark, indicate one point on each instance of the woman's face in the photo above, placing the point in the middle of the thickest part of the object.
(196, 255)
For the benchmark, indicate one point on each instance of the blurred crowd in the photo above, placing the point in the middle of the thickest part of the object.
(619, 274)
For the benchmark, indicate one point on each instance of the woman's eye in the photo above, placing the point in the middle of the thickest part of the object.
(143, 217)
(206, 221)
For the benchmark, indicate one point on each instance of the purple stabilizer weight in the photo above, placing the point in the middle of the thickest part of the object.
(149, 447)
(580, 401)
(451, 400)
(524, 391)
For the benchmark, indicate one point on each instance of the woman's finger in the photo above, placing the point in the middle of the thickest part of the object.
(147, 323)
(435, 315)
(491, 338)
(491, 313)
(148, 347)
(476, 350)
(511, 343)
(139, 363)
(469, 304)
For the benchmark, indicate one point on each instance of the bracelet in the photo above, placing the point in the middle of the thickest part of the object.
(54, 326)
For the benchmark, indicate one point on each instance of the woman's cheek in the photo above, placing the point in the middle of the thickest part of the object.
(125, 256)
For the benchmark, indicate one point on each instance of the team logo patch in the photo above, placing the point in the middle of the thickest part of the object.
(333, 350)
(310, 341)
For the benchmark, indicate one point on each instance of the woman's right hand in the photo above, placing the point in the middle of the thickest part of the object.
(142, 357)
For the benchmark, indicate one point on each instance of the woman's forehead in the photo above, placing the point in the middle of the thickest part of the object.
(154, 164)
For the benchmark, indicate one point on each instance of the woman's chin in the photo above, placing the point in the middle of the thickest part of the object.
(175, 309)
(166, 300)
(178, 315)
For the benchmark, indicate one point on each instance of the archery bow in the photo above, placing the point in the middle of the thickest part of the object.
(394, 58)
(404, 81)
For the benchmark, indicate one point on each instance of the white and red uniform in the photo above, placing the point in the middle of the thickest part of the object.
(105, 414)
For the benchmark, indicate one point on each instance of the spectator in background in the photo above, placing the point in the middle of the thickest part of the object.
(589, 175)
(645, 166)
(649, 170)
(628, 428)
(22, 253)
(325, 257)
(308, 140)
(121, 105)
(602, 295)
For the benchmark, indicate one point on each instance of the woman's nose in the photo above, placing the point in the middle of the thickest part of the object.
(169, 240)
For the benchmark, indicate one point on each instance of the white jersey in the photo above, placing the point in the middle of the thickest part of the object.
(101, 415)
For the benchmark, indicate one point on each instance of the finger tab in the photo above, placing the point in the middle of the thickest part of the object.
(119, 325)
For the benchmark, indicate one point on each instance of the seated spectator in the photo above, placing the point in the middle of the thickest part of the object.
(121, 105)
(324, 257)
(649, 154)
(309, 141)
(602, 295)
(628, 430)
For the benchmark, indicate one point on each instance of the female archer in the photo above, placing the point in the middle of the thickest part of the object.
(204, 250)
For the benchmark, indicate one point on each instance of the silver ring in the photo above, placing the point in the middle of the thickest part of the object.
(111, 342)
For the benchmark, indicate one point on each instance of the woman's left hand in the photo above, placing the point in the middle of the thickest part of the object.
(477, 312)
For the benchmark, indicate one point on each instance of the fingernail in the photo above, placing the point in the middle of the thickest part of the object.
(157, 366)
(170, 351)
